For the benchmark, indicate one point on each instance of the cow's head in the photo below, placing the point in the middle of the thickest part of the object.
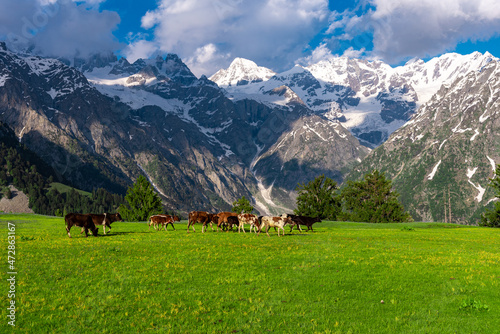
(118, 217)
(95, 231)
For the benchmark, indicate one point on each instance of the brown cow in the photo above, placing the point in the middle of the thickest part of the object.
(105, 220)
(198, 217)
(223, 219)
(303, 220)
(170, 220)
(159, 221)
(212, 219)
(80, 220)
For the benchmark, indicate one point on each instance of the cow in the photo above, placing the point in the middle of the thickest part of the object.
(233, 221)
(247, 218)
(212, 219)
(105, 220)
(80, 220)
(202, 217)
(304, 220)
(162, 221)
(154, 220)
(279, 222)
(223, 219)
(170, 220)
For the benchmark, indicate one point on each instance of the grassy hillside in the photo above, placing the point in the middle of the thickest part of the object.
(62, 188)
(432, 278)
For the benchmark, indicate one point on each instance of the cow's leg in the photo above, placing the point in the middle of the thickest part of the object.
(173, 226)
(104, 228)
(67, 230)
(86, 232)
(267, 230)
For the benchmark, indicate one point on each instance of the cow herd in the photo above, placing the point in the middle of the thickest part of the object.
(224, 221)
(228, 220)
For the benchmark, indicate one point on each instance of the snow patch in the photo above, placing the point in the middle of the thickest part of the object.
(481, 190)
(475, 135)
(471, 172)
(492, 162)
(444, 141)
(434, 170)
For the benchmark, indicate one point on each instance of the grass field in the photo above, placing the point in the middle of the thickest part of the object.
(432, 278)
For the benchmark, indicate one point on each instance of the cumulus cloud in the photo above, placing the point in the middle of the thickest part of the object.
(273, 33)
(59, 28)
(418, 28)
(206, 59)
(322, 52)
(140, 49)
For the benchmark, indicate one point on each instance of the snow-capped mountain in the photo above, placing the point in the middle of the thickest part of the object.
(441, 160)
(103, 122)
(242, 72)
(370, 98)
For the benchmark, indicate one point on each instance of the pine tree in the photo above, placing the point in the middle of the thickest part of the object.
(242, 206)
(373, 201)
(142, 201)
(318, 198)
(491, 218)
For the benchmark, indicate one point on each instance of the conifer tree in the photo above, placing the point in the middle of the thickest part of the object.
(242, 206)
(142, 201)
(318, 198)
(491, 218)
(371, 200)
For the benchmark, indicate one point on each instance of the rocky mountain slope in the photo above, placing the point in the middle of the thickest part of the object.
(441, 159)
(105, 121)
(370, 98)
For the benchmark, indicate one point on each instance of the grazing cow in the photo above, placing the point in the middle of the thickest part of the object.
(247, 218)
(223, 219)
(80, 220)
(304, 220)
(279, 222)
(105, 220)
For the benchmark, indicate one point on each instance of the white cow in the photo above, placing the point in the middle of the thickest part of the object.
(247, 218)
(279, 222)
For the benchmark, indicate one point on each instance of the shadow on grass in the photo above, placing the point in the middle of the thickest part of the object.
(120, 233)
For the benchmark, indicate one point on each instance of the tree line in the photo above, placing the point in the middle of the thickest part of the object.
(28, 173)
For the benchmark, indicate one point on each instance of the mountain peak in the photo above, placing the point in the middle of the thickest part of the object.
(241, 72)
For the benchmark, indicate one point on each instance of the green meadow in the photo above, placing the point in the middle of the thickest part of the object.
(341, 278)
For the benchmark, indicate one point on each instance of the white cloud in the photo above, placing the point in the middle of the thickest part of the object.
(322, 52)
(271, 32)
(59, 28)
(207, 60)
(139, 49)
(409, 28)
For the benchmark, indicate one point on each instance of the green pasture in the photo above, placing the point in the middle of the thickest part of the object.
(432, 278)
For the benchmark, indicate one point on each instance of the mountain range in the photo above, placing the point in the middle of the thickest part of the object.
(246, 131)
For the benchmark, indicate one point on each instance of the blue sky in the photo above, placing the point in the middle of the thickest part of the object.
(209, 34)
